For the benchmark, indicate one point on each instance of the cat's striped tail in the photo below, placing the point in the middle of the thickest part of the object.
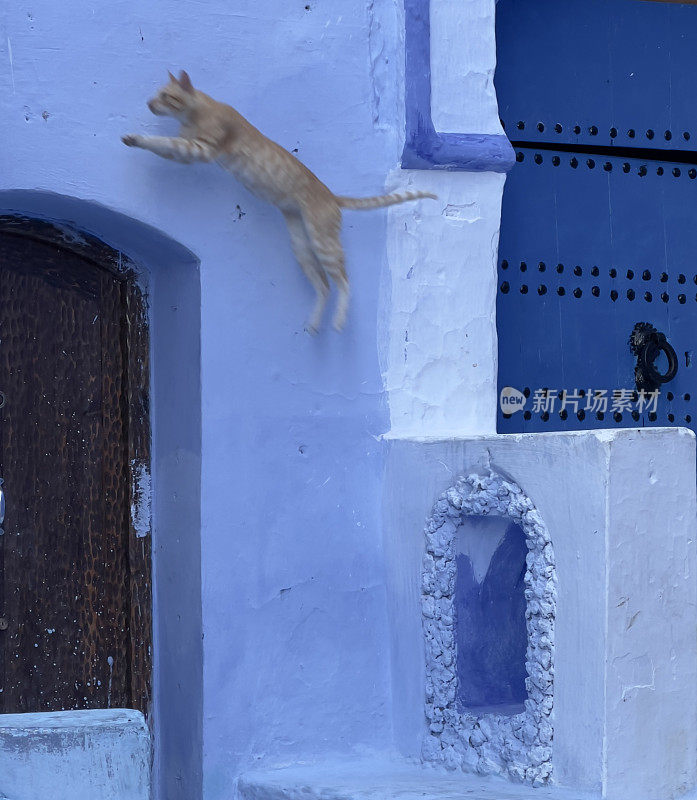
(360, 203)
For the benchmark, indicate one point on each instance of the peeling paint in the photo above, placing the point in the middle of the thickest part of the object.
(141, 505)
(110, 662)
(467, 212)
(635, 673)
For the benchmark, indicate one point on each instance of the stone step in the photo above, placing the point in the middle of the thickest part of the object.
(75, 755)
(387, 779)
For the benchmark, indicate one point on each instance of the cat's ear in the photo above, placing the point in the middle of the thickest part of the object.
(172, 79)
(185, 82)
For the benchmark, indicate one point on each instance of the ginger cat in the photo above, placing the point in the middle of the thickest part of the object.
(213, 131)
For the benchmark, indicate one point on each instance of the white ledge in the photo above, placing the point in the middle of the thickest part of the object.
(75, 755)
(71, 721)
(379, 779)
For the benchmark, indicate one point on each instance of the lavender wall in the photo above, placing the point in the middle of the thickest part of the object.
(295, 658)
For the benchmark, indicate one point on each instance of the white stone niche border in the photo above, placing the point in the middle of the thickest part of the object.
(518, 746)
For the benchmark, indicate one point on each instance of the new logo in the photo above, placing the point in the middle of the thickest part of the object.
(511, 400)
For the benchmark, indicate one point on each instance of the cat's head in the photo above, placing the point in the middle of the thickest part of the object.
(174, 99)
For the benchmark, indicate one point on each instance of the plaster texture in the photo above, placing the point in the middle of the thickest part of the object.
(620, 508)
(473, 107)
(75, 755)
(438, 350)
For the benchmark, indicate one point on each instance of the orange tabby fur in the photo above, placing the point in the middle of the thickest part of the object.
(213, 131)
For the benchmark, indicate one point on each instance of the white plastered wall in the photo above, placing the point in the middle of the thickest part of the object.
(620, 510)
(439, 353)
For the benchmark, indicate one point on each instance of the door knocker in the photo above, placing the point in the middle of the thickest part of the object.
(647, 343)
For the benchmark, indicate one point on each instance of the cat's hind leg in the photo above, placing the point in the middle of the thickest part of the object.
(324, 230)
(302, 248)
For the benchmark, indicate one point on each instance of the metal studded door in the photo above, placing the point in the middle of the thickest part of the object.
(597, 274)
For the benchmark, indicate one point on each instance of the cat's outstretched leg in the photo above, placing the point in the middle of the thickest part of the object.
(324, 229)
(302, 248)
(173, 147)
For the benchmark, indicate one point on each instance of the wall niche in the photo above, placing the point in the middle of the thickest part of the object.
(488, 607)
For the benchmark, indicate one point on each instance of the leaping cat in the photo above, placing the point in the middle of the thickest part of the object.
(213, 131)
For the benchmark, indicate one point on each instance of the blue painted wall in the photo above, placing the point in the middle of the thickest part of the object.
(491, 636)
(295, 658)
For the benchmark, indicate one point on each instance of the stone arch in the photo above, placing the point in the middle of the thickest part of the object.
(520, 745)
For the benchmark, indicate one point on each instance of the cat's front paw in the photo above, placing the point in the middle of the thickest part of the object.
(132, 140)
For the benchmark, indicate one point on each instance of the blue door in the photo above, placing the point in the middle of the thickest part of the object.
(597, 271)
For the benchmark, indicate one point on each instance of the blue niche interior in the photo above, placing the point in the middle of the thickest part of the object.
(490, 630)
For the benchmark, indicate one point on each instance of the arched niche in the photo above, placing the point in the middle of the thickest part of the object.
(496, 724)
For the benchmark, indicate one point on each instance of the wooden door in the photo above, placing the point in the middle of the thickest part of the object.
(71, 564)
